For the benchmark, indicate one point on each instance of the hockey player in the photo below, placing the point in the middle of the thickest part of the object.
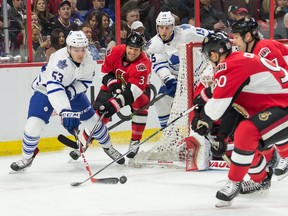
(163, 52)
(61, 86)
(246, 37)
(126, 72)
(260, 92)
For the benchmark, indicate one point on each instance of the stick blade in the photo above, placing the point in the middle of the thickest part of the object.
(75, 184)
(112, 180)
(66, 141)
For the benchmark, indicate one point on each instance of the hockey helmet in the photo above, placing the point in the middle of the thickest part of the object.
(244, 25)
(165, 18)
(77, 39)
(135, 39)
(217, 42)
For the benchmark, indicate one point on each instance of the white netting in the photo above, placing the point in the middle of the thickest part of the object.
(170, 149)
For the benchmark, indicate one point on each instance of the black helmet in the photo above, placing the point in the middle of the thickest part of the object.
(135, 39)
(218, 42)
(244, 25)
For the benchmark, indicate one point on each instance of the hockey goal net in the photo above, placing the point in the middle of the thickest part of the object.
(170, 150)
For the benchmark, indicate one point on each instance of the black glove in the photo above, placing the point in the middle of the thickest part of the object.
(219, 148)
(200, 126)
(70, 120)
(110, 107)
(115, 86)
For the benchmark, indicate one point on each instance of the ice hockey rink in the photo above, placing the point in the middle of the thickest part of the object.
(44, 190)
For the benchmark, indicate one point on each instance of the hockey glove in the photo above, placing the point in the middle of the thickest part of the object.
(110, 107)
(70, 120)
(199, 126)
(171, 85)
(219, 147)
(113, 84)
(71, 92)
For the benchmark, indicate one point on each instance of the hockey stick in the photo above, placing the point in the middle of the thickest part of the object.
(111, 180)
(184, 113)
(72, 144)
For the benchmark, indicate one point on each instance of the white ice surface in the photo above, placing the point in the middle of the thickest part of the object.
(44, 190)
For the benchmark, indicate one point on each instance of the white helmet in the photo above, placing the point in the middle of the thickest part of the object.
(165, 18)
(76, 39)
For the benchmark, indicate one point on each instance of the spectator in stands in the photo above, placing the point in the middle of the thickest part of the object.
(210, 18)
(131, 16)
(93, 20)
(35, 18)
(12, 40)
(63, 21)
(45, 17)
(281, 31)
(99, 5)
(280, 8)
(123, 34)
(75, 15)
(104, 32)
(53, 6)
(16, 15)
(84, 5)
(139, 27)
(232, 14)
(86, 28)
(39, 45)
(143, 7)
(241, 13)
(57, 42)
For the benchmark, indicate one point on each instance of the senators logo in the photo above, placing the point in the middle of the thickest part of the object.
(264, 116)
(264, 52)
(221, 67)
(141, 67)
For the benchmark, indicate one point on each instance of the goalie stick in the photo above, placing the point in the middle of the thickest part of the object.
(184, 113)
(111, 180)
(72, 144)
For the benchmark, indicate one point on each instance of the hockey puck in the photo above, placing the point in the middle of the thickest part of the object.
(123, 179)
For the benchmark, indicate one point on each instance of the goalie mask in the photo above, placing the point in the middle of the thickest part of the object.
(207, 76)
(217, 42)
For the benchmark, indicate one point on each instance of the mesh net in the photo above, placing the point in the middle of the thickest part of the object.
(170, 149)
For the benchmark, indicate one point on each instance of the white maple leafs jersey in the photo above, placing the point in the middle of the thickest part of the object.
(61, 72)
(164, 55)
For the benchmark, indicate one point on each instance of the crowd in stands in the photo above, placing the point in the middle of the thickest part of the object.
(53, 19)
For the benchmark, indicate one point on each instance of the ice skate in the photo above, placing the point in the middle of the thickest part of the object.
(227, 194)
(114, 154)
(22, 164)
(133, 144)
(251, 187)
(281, 171)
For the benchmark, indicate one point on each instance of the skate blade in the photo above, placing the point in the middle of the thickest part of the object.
(280, 177)
(223, 204)
(18, 172)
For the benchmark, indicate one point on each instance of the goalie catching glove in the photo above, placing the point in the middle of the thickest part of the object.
(113, 105)
(113, 84)
(70, 120)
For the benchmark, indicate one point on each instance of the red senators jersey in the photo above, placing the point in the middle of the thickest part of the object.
(253, 84)
(136, 73)
(273, 51)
